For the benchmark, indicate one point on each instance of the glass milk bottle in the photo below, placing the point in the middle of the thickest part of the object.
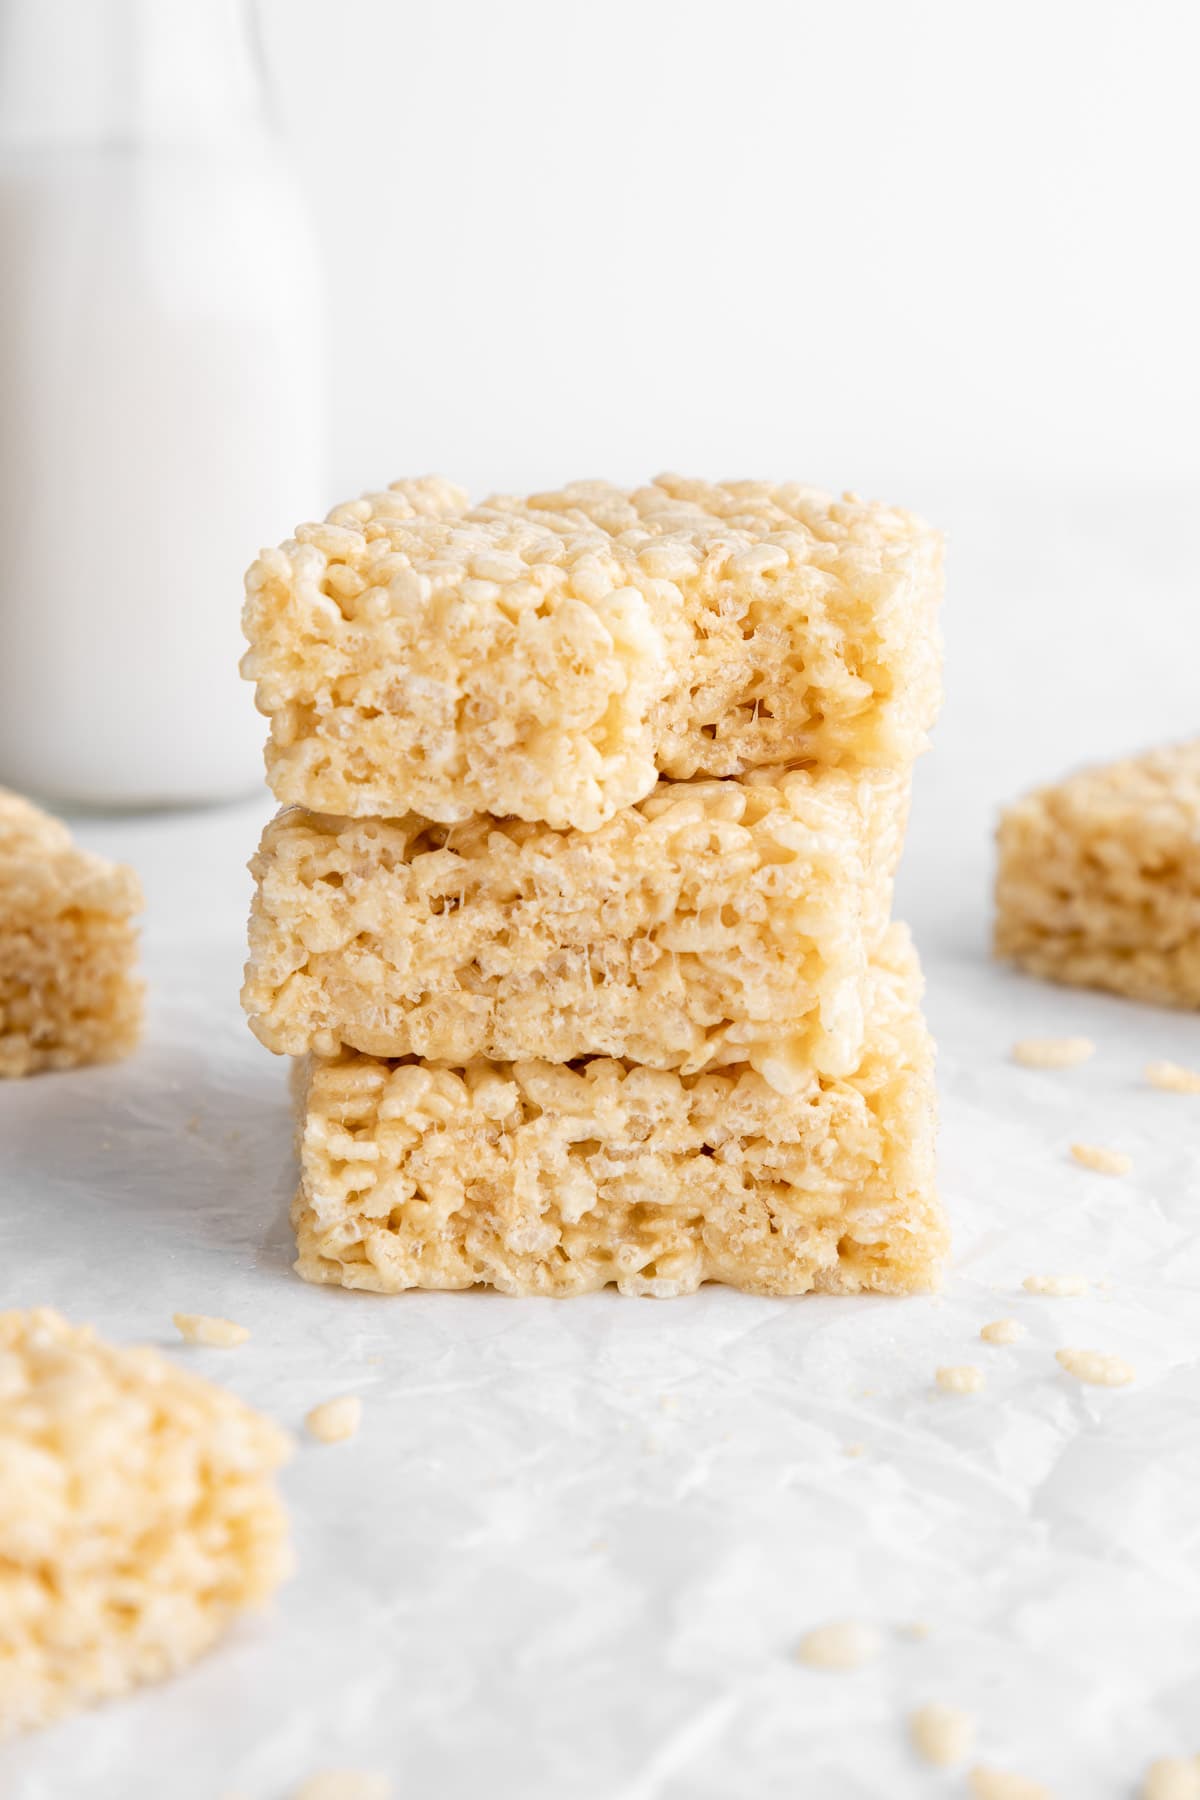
(160, 391)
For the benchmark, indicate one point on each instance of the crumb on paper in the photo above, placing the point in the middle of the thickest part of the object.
(1172, 1778)
(217, 1334)
(853, 1449)
(344, 1784)
(918, 1630)
(1053, 1053)
(335, 1420)
(942, 1734)
(847, 1644)
(1002, 1331)
(998, 1784)
(1097, 1367)
(1104, 1162)
(960, 1378)
(1173, 1078)
(1056, 1287)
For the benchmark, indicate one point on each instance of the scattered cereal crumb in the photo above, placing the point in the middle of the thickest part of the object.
(846, 1645)
(218, 1334)
(192, 1124)
(335, 1420)
(942, 1734)
(1173, 1078)
(1104, 1162)
(1172, 1778)
(1056, 1287)
(1053, 1053)
(344, 1784)
(960, 1378)
(669, 1403)
(853, 1449)
(996, 1784)
(919, 1629)
(1098, 1367)
(1002, 1331)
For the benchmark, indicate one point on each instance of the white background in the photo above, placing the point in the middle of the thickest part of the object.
(941, 252)
(938, 252)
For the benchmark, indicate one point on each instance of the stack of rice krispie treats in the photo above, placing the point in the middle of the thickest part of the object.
(577, 918)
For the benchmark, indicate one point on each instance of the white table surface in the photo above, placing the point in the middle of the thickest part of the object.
(574, 1546)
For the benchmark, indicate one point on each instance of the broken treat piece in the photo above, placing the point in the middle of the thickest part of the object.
(69, 992)
(547, 659)
(543, 1179)
(715, 923)
(1098, 882)
(137, 1516)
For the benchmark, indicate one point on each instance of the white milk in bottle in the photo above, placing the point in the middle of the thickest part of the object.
(160, 393)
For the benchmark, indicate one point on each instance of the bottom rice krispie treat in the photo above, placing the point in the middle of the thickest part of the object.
(539, 1178)
(69, 992)
(137, 1516)
(1099, 878)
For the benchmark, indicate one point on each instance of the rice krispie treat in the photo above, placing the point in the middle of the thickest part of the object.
(137, 1516)
(716, 922)
(1099, 878)
(538, 1178)
(547, 659)
(69, 993)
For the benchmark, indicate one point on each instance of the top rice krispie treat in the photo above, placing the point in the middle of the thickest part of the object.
(1098, 882)
(549, 658)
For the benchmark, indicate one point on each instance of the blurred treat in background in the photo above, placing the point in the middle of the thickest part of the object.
(160, 391)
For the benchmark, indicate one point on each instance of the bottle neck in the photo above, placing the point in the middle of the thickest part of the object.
(127, 71)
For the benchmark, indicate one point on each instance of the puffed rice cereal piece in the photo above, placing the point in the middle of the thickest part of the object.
(1098, 882)
(138, 1516)
(69, 989)
(1097, 1367)
(535, 1177)
(943, 1735)
(335, 1420)
(1173, 1078)
(998, 1784)
(547, 659)
(1002, 1331)
(217, 1334)
(1053, 1053)
(716, 922)
(1172, 1778)
(1056, 1287)
(344, 1784)
(960, 1378)
(846, 1644)
(1101, 1160)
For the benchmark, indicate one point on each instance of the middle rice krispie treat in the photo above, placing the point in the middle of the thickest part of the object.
(715, 923)
(538, 1178)
(548, 659)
